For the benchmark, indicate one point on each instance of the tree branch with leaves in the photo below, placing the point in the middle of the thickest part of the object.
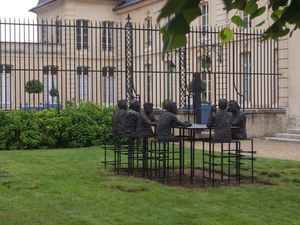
(285, 15)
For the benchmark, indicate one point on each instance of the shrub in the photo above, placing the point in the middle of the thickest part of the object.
(80, 126)
(50, 127)
(4, 131)
(24, 130)
(87, 124)
(165, 102)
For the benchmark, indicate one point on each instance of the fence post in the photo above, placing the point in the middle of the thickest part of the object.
(129, 59)
(182, 77)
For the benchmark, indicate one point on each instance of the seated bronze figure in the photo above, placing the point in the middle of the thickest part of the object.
(221, 121)
(148, 110)
(119, 118)
(167, 121)
(132, 117)
(238, 121)
(145, 120)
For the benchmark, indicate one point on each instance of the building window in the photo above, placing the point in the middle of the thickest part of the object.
(171, 69)
(82, 35)
(50, 83)
(246, 73)
(205, 86)
(204, 20)
(107, 36)
(82, 83)
(148, 23)
(58, 33)
(205, 68)
(148, 82)
(247, 21)
(109, 86)
(5, 85)
(44, 31)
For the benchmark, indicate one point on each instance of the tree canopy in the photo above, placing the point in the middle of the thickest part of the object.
(285, 15)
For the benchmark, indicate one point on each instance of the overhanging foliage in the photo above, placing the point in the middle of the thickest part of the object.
(284, 14)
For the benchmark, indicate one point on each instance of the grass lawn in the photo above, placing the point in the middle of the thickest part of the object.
(71, 187)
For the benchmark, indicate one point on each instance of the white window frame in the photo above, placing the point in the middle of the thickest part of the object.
(107, 36)
(58, 31)
(148, 24)
(108, 85)
(246, 73)
(83, 83)
(148, 82)
(50, 81)
(204, 19)
(205, 76)
(247, 21)
(82, 34)
(5, 85)
(44, 31)
(170, 74)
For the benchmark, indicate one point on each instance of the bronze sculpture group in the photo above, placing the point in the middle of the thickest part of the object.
(145, 141)
(229, 122)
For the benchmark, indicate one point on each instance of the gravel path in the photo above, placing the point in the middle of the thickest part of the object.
(272, 149)
(277, 149)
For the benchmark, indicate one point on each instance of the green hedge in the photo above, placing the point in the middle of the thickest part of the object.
(81, 126)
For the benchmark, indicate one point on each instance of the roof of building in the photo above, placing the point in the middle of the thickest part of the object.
(126, 3)
(120, 5)
(41, 3)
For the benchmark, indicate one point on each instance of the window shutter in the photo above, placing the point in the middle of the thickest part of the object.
(78, 34)
(79, 70)
(85, 70)
(54, 70)
(104, 71)
(45, 70)
(85, 33)
(8, 68)
(111, 71)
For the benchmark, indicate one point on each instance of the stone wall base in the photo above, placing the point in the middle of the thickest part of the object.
(260, 123)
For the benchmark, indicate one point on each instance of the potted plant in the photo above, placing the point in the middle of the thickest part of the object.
(33, 87)
(54, 93)
(202, 108)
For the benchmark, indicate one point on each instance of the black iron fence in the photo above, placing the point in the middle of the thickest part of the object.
(44, 64)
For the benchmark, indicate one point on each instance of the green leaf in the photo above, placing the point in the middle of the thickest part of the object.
(283, 2)
(275, 31)
(228, 4)
(258, 12)
(171, 8)
(239, 4)
(178, 25)
(295, 28)
(237, 21)
(172, 42)
(274, 4)
(226, 35)
(276, 15)
(192, 14)
(251, 7)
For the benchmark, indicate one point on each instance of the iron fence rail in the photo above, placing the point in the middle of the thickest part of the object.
(106, 61)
